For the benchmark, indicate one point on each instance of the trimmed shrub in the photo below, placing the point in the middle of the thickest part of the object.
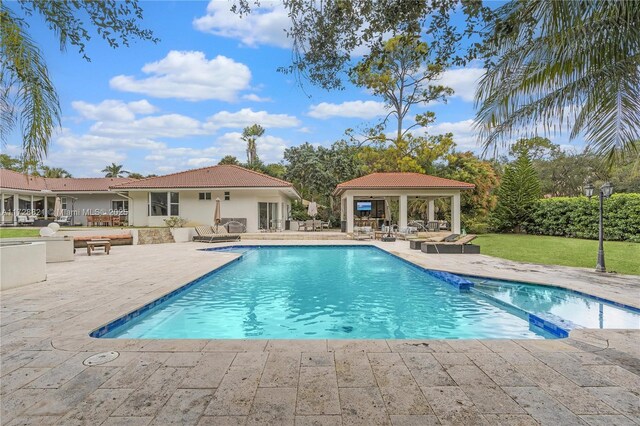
(577, 217)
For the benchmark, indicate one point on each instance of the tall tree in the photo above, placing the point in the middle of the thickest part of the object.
(518, 191)
(10, 163)
(114, 170)
(250, 134)
(564, 64)
(327, 35)
(28, 95)
(229, 159)
(54, 172)
(403, 75)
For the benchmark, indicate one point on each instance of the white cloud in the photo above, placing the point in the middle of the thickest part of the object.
(270, 149)
(463, 81)
(114, 110)
(353, 109)
(464, 134)
(265, 25)
(168, 126)
(247, 117)
(188, 75)
(255, 98)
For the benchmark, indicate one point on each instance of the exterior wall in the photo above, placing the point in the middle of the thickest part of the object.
(243, 204)
(86, 204)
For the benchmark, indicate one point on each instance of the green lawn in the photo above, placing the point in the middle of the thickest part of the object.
(18, 233)
(621, 257)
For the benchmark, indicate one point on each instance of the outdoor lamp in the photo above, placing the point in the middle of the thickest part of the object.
(588, 190)
(605, 192)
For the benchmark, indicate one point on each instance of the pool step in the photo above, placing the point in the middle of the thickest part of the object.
(155, 236)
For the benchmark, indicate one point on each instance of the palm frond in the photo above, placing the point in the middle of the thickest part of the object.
(26, 84)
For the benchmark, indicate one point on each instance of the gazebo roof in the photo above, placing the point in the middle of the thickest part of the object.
(399, 180)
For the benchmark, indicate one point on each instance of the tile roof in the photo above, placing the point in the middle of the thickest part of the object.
(14, 180)
(400, 181)
(221, 176)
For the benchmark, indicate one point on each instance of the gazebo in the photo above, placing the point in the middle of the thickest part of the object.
(368, 194)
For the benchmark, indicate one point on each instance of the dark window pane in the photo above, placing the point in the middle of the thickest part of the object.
(174, 210)
(175, 197)
(158, 206)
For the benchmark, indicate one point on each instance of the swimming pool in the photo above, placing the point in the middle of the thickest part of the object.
(325, 292)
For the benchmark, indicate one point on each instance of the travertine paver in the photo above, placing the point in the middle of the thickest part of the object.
(592, 378)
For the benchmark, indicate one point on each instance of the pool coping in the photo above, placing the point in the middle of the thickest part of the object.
(549, 323)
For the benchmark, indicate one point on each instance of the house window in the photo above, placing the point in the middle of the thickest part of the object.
(120, 207)
(63, 203)
(204, 196)
(164, 203)
(227, 196)
(174, 203)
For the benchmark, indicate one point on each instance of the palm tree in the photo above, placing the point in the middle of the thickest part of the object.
(26, 90)
(564, 64)
(114, 170)
(249, 135)
(54, 172)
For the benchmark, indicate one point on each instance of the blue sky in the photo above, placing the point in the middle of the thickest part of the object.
(183, 102)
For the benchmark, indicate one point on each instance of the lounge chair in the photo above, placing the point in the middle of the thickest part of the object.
(209, 234)
(453, 244)
(312, 225)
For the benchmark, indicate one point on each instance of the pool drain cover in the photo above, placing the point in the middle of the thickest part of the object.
(102, 358)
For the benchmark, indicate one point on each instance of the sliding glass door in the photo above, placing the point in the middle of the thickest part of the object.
(268, 216)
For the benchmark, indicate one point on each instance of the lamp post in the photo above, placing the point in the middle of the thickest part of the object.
(605, 192)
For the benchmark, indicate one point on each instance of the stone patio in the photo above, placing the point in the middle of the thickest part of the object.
(591, 378)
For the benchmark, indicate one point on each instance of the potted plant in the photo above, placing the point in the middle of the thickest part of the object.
(176, 226)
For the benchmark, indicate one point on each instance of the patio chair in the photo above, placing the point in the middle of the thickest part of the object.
(433, 226)
(407, 233)
(208, 234)
(312, 225)
(25, 220)
(363, 233)
(63, 220)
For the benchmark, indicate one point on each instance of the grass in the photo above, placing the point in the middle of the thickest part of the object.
(621, 257)
(18, 233)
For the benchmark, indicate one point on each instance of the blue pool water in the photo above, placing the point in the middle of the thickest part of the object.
(317, 292)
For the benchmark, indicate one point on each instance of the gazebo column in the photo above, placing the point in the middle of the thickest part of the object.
(349, 213)
(455, 213)
(402, 220)
(432, 210)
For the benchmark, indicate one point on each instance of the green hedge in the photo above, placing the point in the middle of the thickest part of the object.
(578, 217)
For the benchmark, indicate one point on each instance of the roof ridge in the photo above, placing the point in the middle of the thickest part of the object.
(257, 173)
(179, 173)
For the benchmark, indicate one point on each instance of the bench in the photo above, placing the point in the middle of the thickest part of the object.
(116, 240)
(93, 244)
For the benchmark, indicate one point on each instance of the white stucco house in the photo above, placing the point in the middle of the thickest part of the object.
(35, 196)
(252, 198)
(255, 199)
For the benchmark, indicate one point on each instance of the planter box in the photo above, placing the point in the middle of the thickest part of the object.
(388, 239)
(22, 263)
(181, 235)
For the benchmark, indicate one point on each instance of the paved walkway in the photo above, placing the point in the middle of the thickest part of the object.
(591, 378)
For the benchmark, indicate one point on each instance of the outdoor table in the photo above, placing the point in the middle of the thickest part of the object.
(105, 244)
